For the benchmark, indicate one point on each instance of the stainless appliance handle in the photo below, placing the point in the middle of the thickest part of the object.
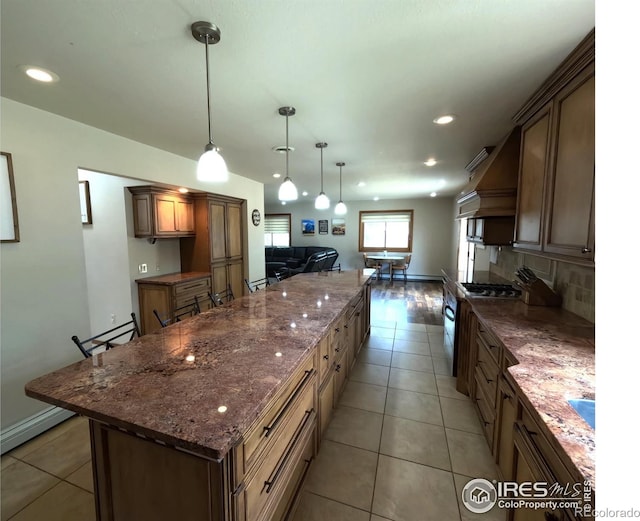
(452, 317)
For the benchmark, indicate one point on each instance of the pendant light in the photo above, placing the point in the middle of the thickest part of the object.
(211, 165)
(322, 201)
(341, 208)
(287, 191)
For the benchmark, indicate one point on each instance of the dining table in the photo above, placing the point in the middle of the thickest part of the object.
(386, 259)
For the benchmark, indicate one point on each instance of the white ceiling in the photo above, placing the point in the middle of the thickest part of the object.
(366, 76)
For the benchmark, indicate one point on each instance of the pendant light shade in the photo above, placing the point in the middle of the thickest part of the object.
(322, 201)
(211, 166)
(341, 208)
(287, 190)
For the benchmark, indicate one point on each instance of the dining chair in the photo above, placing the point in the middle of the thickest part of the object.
(221, 297)
(401, 266)
(179, 313)
(373, 263)
(257, 284)
(108, 339)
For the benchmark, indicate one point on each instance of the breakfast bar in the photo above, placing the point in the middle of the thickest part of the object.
(217, 417)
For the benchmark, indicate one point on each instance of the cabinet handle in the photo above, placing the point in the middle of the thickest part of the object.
(337, 330)
(584, 250)
(326, 357)
(269, 428)
(485, 423)
(451, 315)
(337, 349)
(488, 381)
(269, 484)
(338, 368)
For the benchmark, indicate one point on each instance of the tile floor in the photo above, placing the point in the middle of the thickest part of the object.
(403, 442)
(400, 447)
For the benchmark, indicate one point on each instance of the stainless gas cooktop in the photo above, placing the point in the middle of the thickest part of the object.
(491, 290)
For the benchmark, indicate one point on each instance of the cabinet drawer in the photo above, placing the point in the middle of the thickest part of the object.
(266, 486)
(488, 372)
(490, 342)
(298, 390)
(485, 409)
(193, 287)
(551, 462)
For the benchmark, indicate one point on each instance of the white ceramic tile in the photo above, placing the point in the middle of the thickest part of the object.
(412, 362)
(413, 406)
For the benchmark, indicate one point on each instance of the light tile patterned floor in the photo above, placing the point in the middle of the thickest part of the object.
(401, 445)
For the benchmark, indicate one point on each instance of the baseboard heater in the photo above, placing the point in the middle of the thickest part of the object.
(30, 427)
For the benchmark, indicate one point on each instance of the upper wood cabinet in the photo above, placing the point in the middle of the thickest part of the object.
(555, 208)
(218, 245)
(161, 213)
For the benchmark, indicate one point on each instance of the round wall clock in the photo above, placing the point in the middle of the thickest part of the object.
(255, 217)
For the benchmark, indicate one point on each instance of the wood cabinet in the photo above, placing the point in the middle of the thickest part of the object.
(168, 292)
(218, 245)
(555, 209)
(161, 213)
(467, 349)
(495, 231)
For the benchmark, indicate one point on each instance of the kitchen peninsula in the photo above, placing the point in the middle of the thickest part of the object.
(218, 417)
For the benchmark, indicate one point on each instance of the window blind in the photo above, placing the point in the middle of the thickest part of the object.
(400, 216)
(276, 224)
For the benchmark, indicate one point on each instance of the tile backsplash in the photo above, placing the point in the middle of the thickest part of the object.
(575, 283)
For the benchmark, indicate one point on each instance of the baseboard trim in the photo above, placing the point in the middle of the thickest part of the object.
(31, 427)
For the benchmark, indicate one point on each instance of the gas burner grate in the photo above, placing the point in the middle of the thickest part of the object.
(491, 290)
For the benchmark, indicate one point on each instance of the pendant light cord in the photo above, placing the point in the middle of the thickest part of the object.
(206, 51)
(321, 172)
(287, 147)
(340, 184)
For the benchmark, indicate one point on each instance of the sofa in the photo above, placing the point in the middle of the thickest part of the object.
(298, 259)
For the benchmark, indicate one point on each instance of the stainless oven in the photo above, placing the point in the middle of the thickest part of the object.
(451, 326)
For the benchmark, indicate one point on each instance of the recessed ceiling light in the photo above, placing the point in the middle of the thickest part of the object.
(183, 190)
(444, 120)
(305, 193)
(284, 203)
(433, 194)
(362, 183)
(40, 74)
(376, 198)
(276, 175)
(430, 162)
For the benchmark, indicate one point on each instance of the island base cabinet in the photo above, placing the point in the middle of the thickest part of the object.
(136, 478)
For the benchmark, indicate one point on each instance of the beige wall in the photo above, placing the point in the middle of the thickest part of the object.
(44, 290)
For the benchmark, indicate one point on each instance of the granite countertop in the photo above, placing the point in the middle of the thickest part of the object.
(555, 354)
(168, 385)
(174, 278)
(555, 351)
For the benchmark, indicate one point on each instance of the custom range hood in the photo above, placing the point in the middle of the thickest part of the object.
(493, 184)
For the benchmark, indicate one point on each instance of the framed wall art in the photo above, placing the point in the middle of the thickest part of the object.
(337, 226)
(85, 202)
(308, 227)
(323, 226)
(9, 231)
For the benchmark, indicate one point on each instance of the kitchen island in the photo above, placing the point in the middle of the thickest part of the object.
(214, 417)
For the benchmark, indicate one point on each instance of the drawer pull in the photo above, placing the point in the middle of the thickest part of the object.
(269, 484)
(586, 250)
(488, 380)
(338, 368)
(269, 428)
(337, 330)
(325, 357)
(337, 349)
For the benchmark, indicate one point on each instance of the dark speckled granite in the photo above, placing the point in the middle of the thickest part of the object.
(555, 351)
(148, 386)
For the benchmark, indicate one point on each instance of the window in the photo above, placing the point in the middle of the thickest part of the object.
(277, 229)
(386, 230)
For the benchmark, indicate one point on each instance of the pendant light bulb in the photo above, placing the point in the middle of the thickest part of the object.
(341, 208)
(212, 167)
(322, 201)
(287, 190)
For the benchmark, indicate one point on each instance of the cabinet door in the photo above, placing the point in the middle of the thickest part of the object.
(184, 218)
(531, 181)
(325, 405)
(508, 408)
(166, 212)
(234, 231)
(142, 215)
(218, 230)
(235, 276)
(570, 228)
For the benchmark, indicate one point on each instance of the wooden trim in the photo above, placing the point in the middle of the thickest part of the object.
(361, 247)
(580, 57)
(12, 198)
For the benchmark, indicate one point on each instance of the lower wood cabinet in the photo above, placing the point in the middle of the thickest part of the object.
(165, 293)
